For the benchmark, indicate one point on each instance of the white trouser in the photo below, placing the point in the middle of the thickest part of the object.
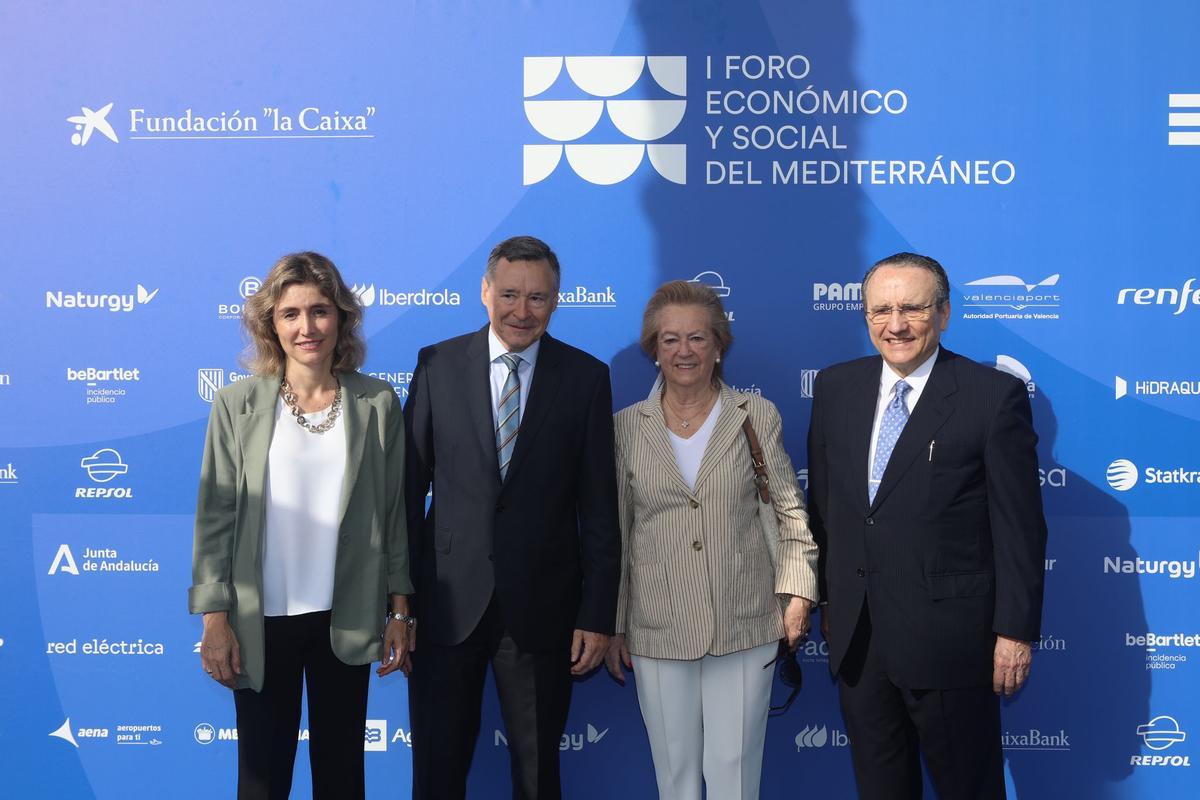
(707, 716)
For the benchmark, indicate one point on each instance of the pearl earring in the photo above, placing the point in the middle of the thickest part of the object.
(656, 363)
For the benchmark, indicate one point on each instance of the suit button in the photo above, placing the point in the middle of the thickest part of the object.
(696, 545)
(859, 572)
(870, 520)
(694, 504)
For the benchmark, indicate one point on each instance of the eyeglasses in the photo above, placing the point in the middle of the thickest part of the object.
(882, 314)
(789, 673)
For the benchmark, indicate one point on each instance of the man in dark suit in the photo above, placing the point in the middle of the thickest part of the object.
(517, 561)
(924, 497)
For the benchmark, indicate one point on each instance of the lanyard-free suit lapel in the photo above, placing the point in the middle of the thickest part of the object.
(478, 396)
(547, 377)
(355, 414)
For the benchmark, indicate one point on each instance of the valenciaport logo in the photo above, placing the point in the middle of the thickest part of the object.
(1179, 299)
(88, 122)
(1011, 297)
(1123, 475)
(569, 117)
(1017, 370)
(837, 296)
(1150, 387)
(246, 289)
(1164, 651)
(104, 466)
(369, 296)
(57, 298)
(580, 296)
(568, 742)
(813, 738)
(1160, 734)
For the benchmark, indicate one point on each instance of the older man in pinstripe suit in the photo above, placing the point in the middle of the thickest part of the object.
(923, 492)
(699, 606)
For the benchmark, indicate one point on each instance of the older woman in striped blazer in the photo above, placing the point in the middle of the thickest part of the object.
(701, 606)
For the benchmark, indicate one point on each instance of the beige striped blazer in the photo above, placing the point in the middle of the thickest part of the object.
(696, 576)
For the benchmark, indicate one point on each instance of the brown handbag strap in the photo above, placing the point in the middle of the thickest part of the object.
(761, 479)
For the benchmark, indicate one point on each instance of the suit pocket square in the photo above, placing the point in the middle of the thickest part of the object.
(960, 584)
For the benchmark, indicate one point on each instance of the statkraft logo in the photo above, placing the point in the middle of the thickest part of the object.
(1017, 370)
(1159, 734)
(1156, 388)
(1179, 299)
(368, 296)
(88, 122)
(375, 736)
(247, 288)
(1123, 475)
(1175, 645)
(602, 80)
(1011, 297)
(811, 738)
(116, 303)
(1175, 569)
(569, 741)
(837, 297)
(580, 296)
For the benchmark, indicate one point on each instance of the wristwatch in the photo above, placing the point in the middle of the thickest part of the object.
(410, 621)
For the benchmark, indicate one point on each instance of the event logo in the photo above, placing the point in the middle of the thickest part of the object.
(1159, 734)
(1186, 119)
(808, 379)
(400, 381)
(368, 296)
(1017, 370)
(204, 733)
(1034, 739)
(1054, 477)
(569, 741)
(1049, 643)
(246, 289)
(814, 651)
(210, 380)
(105, 647)
(1179, 298)
(8, 475)
(1122, 475)
(714, 281)
(1156, 388)
(99, 559)
(5, 380)
(375, 737)
(96, 394)
(583, 297)
(812, 737)
(111, 302)
(403, 736)
(1012, 293)
(1172, 568)
(1153, 642)
(802, 479)
(88, 122)
(104, 465)
(64, 732)
(603, 78)
(837, 297)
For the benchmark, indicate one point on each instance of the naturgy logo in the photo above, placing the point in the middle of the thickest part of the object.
(605, 77)
(109, 302)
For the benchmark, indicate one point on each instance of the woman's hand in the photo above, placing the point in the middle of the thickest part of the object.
(220, 654)
(399, 641)
(796, 621)
(617, 655)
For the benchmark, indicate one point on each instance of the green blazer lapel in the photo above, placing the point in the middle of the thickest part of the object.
(255, 426)
(728, 427)
(356, 412)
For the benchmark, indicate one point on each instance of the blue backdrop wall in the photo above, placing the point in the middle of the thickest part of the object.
(158, 157)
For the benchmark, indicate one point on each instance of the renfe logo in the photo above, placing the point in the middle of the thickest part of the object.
(1162, 297)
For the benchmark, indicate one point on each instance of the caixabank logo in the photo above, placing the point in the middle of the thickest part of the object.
(604, 80)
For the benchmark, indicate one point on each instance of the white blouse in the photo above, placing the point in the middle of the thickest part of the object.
(690, 452)
(304, 492)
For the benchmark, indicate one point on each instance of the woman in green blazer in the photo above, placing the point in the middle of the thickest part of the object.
(300, 537)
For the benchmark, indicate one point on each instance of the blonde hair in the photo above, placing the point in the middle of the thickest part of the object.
(265, 355)
(686, 293)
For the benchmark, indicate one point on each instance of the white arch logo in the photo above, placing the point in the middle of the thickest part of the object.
(605, 77)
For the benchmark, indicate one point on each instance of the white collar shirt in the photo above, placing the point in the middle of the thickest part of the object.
(887, 389)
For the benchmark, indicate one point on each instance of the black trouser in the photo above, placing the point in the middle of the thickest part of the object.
(445, 692)
(890, 728)
(297, 654)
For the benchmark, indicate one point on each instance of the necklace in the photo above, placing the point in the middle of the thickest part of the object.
(686, 422)
(289, 399)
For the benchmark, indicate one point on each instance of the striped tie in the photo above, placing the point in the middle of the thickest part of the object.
(508, 414)
(895, 416)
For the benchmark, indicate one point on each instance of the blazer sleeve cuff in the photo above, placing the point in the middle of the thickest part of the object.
(207, 597)
(399, 583)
